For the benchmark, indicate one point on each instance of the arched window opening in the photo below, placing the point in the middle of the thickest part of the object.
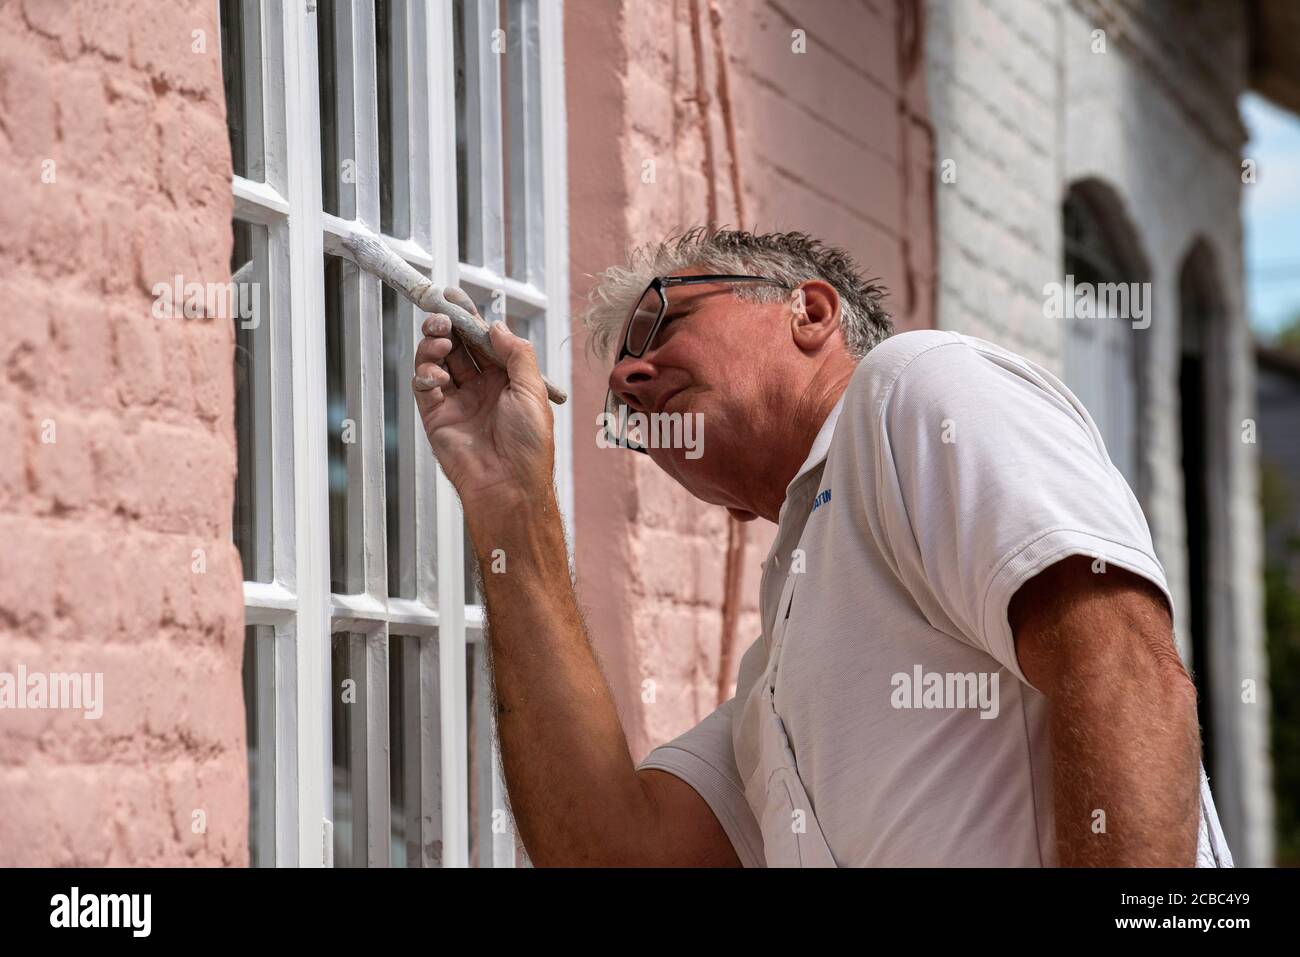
(1100, 349)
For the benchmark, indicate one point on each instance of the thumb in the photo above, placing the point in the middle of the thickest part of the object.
(521, 363)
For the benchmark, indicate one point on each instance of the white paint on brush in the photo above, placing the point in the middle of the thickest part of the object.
(374, 256)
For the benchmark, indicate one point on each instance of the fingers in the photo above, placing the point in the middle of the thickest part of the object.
(431, 368)
(432, 348)
(521, 362)
(429, 377)
(459, 297)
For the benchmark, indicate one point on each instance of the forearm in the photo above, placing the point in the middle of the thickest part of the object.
(1122, 715)
(574, 791)
(1126, 756)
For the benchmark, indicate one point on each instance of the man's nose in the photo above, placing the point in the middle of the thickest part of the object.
(630, 379)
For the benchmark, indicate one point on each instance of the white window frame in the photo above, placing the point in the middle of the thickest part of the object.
(294, 671)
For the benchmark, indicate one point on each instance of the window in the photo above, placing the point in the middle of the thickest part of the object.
(1201, 385)
(1101, 355)
(366, 680)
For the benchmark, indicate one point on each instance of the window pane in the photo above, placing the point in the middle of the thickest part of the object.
(399, 505)
(241, 64)
(462, 149)
(507, 67)
(251, 522)
(344, 695)
(327, 71)
(391, 79)
(522, 85)
(397, 746)
(479, 854)
(340, 369)
(259, 714)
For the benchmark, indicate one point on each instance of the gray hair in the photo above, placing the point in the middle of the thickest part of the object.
(792, 258)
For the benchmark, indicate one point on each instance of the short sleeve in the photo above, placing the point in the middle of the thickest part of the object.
(988, 471)
(705, 758)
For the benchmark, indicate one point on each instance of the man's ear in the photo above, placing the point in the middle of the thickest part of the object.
(814, 314)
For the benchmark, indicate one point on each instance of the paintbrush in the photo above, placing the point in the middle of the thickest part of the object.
(374, 256)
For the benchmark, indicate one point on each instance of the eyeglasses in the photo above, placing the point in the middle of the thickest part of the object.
(640, 330)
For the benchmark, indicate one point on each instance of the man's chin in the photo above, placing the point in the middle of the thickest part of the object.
(740, 515)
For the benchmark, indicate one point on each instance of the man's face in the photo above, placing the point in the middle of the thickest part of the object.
(720, 357)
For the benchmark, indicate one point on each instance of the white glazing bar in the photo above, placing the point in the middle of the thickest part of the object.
(516, 292)
(413, 616)
(418, 554)
(310, 722)
(484, 42)
(451, 661)
(527, 158)
(449, 584)
(268, 603)
(269, 290)
(364, 378)
(556, 243)
(257, 202)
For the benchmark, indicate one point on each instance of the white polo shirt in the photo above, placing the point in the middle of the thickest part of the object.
(882, 718)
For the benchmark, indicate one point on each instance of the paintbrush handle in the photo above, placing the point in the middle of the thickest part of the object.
(374, 256)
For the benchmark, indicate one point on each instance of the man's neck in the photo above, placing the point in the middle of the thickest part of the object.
(809, 414)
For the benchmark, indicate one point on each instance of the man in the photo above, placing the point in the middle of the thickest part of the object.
(967, 654)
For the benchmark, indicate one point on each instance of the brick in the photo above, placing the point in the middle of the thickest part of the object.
(137, 358)
(27, 102)
(104, 30)
(62, 470)
(28, 576)
(57, 19)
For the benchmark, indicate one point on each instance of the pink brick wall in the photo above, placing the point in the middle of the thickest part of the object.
(741, 129)
(121, 102)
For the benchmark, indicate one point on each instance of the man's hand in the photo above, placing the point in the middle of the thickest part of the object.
(491, 430)
(1122, 715)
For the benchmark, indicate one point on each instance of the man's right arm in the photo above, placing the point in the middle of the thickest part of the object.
(575, 793)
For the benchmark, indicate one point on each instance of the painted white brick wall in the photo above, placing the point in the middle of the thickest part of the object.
(1025, 107)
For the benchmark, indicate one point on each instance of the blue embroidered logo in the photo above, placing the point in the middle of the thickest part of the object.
(822, 498)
